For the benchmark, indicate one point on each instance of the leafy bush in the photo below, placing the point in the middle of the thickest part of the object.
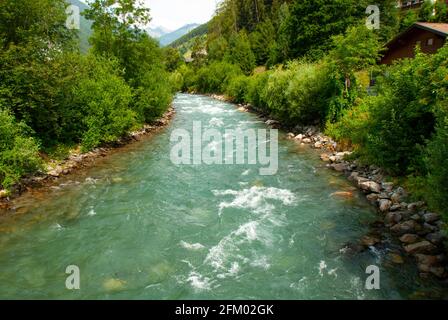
(214, 78)
(436, 162)
(309, 92)
(105, 100)
(255, 88)
(237, 88)
(154, 95)
(274, 93)
(18, 152)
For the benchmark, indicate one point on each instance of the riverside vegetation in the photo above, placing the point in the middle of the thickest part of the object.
(313, 74)
(54, 99)
(303, 63)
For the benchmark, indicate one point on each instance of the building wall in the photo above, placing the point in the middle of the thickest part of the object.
(405, 46)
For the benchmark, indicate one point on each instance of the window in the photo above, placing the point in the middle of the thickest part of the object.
(430, 42)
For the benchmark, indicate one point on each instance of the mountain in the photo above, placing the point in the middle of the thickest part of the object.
(157, 32)
(85, 26)
(173, 36)
(196, 32)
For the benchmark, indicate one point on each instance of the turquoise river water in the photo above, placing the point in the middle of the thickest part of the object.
(140, 227)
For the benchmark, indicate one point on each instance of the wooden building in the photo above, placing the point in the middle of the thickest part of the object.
(429, 36)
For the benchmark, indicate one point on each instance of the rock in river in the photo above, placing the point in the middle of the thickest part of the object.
(424, 247)
(370, 186)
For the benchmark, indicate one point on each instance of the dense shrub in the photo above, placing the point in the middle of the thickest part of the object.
(255, 88)
(214, 78)
(154, 95)
(309, 93)
(105, 100)
(274, 93)
(436, 162)
(18, 152)
(237, 88)
(402, 116)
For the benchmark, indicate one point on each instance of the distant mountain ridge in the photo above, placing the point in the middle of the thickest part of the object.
(168, 38)
(158, 32)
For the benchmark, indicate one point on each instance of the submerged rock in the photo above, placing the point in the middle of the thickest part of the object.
(370, 241)
(343, 194)
(114, 284)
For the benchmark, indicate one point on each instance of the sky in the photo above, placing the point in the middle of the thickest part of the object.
(173, 14)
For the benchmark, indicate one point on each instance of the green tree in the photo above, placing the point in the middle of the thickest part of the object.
(312, 23)
(240, 52)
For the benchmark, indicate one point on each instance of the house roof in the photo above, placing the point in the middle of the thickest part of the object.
(440, 29)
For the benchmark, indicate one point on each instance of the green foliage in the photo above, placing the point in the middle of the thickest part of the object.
(105, 99)
(312, 23)
(355, 50)
(215, 77)
(34, 21)
(309, 93)
(237, 88)
(255, 89)
(240, 53)
(18, 152)
(263, 42)
(154, 94)
(173, 59)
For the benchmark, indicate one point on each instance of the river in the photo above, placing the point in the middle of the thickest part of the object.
(140, 227)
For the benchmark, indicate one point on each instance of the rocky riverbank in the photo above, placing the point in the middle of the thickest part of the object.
(421, 234)
(77, 160)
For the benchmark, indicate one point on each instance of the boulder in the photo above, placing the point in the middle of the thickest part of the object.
(370, 186)
(415, 206)
(431, 217)
(299, 137)
(343, 194)
(393, 218)
(318, 145)
(385, 205)
(340, 167)
(3, 194)
(353, 176)
(373, 197)
(435, 238)
(306, 140)
(406, 227)
(428, 228)
(395, 207)
(409, 238)
(291, 135)
(272, 122)
(388, 186)
(325, 157)
(370, 241)
(424, 247)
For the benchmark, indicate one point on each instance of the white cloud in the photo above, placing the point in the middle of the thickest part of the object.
(173, 14)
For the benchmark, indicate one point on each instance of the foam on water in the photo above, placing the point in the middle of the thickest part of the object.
(199, 282)
(192, 246)
(255, 199)
(216, 122)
